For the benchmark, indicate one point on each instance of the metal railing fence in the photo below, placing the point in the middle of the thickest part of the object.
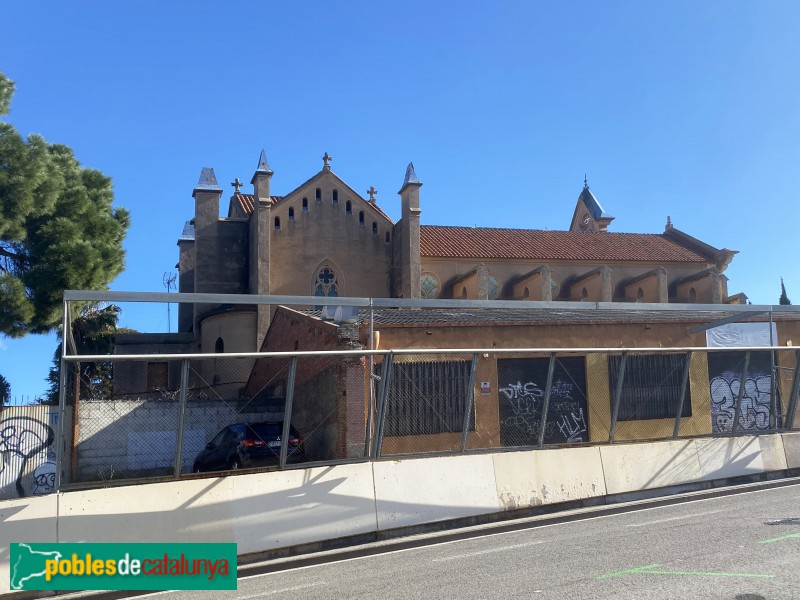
(129, 417)
(423, 402)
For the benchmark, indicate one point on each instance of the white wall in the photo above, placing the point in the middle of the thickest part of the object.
(264, 511)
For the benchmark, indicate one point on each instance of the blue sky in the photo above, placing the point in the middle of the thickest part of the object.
(680, 108)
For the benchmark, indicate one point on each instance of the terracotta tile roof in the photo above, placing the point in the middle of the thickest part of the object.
(246, 202)
(531, 244)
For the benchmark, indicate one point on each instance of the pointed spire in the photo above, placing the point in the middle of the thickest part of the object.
(585, 182)
(207, 181)
(411, 177)
(263, 165)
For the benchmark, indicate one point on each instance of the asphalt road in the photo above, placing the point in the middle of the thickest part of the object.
(743, 547)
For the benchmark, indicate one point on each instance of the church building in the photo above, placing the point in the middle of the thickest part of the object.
(323, 238)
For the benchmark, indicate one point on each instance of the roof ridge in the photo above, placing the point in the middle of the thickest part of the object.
(566, 231)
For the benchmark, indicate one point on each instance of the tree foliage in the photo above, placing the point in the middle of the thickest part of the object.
(784, 299)
(58, 229)
(93, 333)
(5, 391)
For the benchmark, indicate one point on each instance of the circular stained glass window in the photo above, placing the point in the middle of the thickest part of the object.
(429, 286)
(494, 287)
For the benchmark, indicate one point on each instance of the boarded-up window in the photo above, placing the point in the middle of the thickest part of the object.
(428, 397)
(157, 375)
(651, 386)
(724, 376)
(523, 382)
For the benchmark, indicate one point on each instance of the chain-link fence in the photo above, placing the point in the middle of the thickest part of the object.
(336, 386)
(295, 409)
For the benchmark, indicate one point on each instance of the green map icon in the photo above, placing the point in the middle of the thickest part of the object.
(28, 565)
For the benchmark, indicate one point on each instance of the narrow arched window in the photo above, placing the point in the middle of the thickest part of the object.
(692, 295)
(361, 218)
(584, 294)
(326, 283)
(219, 347)
(526, 293)
(388, 237)
(463, 292)
(374, 229)
(305, 204)
(277, 224)
(319, 195)
(336, 196)
(639, 295)
(348, 208)
(291, 214)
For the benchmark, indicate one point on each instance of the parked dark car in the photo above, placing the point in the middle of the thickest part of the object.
(244, 445)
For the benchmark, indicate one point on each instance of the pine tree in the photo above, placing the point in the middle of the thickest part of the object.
(5, 391)
(58, 229)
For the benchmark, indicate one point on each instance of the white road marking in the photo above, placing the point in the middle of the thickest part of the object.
(503, 549)
(713, 512)
(283, 591)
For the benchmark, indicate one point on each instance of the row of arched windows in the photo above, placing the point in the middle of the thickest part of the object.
(348, 211)
(430, 287)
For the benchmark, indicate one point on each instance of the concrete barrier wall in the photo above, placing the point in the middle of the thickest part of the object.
(259, 511)
(265, 511)
(791, 445)
(425, 490)
(274, 510)
(25, 520)
(533, 478)
(632, 467)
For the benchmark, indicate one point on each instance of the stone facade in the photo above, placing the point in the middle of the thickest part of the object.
(323, 238)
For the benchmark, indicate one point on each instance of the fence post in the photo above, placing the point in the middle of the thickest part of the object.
(682, 399)
(773, 398)
(790, 410)
(371, 409)
(386, 382)
(546, 402)
(287, 411)
(62, 400)
(737, 412)
(470, 401)
(181, 417)
(617, 398)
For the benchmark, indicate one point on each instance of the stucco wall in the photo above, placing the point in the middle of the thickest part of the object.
(361, 260)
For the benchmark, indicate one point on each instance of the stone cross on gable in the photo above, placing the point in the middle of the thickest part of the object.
(327, 160)
(372, 191)
(237, 184)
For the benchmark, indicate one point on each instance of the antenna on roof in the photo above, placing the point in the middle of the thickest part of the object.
(169, 282)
